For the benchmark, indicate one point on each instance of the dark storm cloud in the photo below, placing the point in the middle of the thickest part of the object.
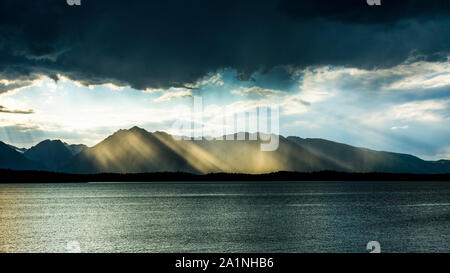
(159, 44)
(357, 11)
(5, 88)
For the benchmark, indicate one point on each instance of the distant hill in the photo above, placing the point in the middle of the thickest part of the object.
(129, 151)
(139, 151)
(20, 150)
(10, 158)
(353, 159)
(53, 154)
(75, 148)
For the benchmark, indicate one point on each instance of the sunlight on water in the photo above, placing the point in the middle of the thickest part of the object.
(225, 217)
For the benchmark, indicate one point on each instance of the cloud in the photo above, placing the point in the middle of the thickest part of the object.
(427, 111)
(442, 153)
(215, 79)
(160, 44)
(17, 84)
(423, 76)
(412, 78)
(359, 12)
(424, 111)
(9, 111)
(153, 90)
(314, 87)
(256, 90)
(404, 127)
(112, 86)
(174, 95)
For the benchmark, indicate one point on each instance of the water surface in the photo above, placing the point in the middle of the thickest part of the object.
(226, 217)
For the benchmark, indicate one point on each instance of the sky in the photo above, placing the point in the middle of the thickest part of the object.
(369, 76)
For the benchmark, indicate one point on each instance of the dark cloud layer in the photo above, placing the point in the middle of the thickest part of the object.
(358, 12)
(159, 44)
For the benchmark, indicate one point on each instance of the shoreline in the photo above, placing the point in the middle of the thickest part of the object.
(14, 176)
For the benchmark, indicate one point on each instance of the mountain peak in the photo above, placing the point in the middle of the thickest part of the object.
(137, 129)
(3, 144)
(136, 150)
(52, 153)
(20, 150)
(50, 141)
(12, 159)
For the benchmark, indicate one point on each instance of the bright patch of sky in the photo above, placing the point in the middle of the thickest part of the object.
(402, 109)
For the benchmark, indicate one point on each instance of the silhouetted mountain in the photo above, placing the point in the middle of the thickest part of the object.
(12, 159)
(353, 159)
(75, 148)
(137, 151)
(53, 154)
(129, 151)
(20, 150)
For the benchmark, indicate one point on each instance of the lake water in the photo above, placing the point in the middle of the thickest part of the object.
(225, 217)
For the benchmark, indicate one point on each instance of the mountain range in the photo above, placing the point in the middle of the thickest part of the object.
(138, 151)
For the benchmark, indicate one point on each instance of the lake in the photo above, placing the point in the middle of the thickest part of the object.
(225, 217)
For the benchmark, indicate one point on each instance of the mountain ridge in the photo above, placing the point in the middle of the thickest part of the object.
(138, 151)
(51, 153)
(10, 158)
